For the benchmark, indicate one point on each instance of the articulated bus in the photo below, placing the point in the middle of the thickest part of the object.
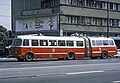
(27, 48)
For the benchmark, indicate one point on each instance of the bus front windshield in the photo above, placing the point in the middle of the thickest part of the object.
(17, 42)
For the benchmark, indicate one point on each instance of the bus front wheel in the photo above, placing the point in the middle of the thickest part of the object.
(29, 57)
(104, 55)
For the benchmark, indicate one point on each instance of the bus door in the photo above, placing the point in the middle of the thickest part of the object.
(88, 48)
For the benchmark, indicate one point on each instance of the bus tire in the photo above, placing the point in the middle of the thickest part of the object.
(104, 55)
(29, 57)
(20, 59)
(71, 56)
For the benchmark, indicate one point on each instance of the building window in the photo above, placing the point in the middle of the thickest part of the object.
(72, 19)
(88, 20)
(95, 21)
(88, 3)
(78, 20)
(114, 22)
(82, 20)
(111, 6)
(92, 21)
(114, 6)
(69, 19)
(94, 4)
(104, 5)
(68, 2)
(118, 23)
(100, 21)
(81, 3)
(48, 3)
(74, 2)
(98, 4)
(119, 7)
(104, 22)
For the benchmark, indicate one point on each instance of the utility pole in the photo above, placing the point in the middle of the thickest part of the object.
(108, 20)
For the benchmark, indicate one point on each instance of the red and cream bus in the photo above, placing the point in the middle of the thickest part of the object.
(26, 48)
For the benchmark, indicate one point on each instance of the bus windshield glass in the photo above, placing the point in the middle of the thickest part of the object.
(17, 42)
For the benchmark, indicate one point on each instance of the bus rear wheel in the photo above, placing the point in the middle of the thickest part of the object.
(71, 56)
(104, 55)
(29, 57)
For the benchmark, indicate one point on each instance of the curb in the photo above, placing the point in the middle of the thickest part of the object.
(8, 59)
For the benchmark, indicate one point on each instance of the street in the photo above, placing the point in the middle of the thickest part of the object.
(60, 71)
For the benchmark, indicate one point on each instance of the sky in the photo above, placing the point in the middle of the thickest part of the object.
(5, 13)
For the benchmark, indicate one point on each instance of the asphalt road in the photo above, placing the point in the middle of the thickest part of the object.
(63, 71)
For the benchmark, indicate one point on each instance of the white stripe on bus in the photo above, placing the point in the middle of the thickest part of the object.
(67, 53)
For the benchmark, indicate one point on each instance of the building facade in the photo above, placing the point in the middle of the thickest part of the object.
(65, 17)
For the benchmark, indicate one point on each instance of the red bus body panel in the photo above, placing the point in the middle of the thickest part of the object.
(51, 52)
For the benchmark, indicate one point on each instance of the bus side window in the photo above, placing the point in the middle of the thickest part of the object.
(52, 43)
(79, 43)
(61, 43)
(25, 42)
(70, 43)
(111, 42)
(43, 43)
(98, 42)
(93, 42)
(34, 42)
(105, 42)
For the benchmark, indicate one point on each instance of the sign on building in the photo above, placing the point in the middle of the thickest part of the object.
(33, 24)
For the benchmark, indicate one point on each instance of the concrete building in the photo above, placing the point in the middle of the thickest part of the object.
(65, 17)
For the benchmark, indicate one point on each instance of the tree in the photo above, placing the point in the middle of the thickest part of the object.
(3, 29)
(2, 35)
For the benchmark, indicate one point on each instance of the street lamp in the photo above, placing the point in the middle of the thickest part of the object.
(108, 19)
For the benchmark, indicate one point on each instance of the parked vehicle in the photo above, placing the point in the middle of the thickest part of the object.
(2, 51)
(118, 53)
(117, 42)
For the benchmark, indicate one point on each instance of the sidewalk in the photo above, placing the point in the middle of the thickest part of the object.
(8, 59)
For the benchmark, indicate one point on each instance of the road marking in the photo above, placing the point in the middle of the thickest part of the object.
(86, 72)
(116, 81)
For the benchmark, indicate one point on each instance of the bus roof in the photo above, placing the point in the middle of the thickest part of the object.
(61, 37)
(115, 38)
(100, 38)
(51, 37)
